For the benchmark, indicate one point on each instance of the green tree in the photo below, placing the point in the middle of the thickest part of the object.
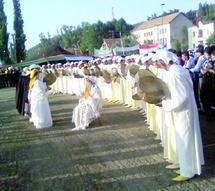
(206, 12)
(48, 46)
(211, 39)
(177, 45)
(212, 12)
(83, 38)
(20, 37)
(122, 26)
(100, 33)
(67, 36)
(200, 11)
(184, 42)
(88, 39)
(129, 41)
(4, 53)
(191, 15)
(70, 38)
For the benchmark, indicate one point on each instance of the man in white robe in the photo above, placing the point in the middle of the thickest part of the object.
(182, 104)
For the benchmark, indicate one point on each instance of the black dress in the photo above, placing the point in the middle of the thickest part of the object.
(22, 93)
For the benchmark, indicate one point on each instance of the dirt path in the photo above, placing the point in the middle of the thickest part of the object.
(119, 155)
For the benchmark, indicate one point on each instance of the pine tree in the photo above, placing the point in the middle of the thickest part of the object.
(4, 53)
(20, 37)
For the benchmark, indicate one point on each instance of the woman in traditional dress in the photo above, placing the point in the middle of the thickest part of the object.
(40, 110)
(90, 103)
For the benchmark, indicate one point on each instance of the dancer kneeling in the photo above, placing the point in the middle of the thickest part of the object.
(89, 106)
(40, 110)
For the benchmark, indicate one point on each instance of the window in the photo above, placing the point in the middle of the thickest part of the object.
(194, 34)
(165, 30)
(200, 33)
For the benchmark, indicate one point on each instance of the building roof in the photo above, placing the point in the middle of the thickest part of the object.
(111, 42)
(56, 58)
(157, 21)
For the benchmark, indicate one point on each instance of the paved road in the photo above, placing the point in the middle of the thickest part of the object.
(122, 154)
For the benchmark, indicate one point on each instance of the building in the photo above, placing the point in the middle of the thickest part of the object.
(110, 43)
(199, 35)
(162, 30)
(108, 47)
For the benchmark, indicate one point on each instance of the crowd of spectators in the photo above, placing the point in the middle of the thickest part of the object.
(9, 76)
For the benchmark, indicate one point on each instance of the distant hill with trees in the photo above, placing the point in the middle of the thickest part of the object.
(81, 39)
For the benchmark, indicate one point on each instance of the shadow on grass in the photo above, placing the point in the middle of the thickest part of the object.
(63, 130)
(59, 159)
(142, 177)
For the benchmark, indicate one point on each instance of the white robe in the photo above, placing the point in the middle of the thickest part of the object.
(40, 110)
(188, 136)
(88, 109)
(168, 132)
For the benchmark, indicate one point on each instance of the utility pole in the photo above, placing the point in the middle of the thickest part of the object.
(122, 46)
(162, 5)
(113, 17)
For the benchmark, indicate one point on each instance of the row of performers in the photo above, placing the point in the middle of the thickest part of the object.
(160, 87)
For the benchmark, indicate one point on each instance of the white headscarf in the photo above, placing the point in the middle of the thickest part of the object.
(165, 55)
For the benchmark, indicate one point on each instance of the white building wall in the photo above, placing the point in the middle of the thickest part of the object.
(200, 35)
(155, 34)
(208, 30)
(192, 37)
(165, 33)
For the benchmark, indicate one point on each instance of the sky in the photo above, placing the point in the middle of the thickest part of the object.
(47, 16)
